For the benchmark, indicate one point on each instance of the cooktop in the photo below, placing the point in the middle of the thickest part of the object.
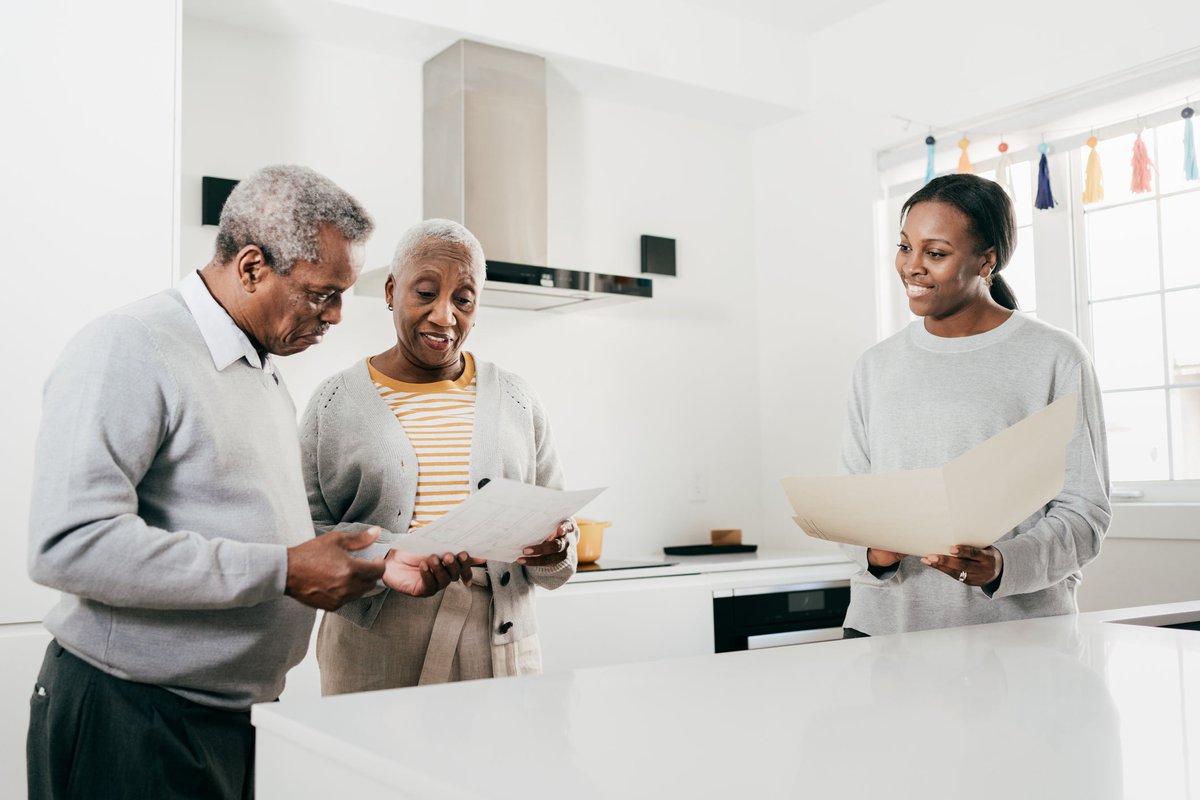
(613, 563)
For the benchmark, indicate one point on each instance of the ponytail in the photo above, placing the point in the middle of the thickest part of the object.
(1002, 293)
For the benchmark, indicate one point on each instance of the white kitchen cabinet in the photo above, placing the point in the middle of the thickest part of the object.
(621, 621)
(626, 616)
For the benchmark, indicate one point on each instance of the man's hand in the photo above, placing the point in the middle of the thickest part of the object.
(424, 576)
(551, 552)
(321, 572)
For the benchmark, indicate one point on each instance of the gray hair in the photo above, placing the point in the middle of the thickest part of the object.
(417, 241)
(281, 209)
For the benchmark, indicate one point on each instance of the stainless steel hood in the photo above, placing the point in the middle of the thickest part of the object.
(485, 166)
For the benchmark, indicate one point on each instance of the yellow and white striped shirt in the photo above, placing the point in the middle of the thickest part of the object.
(439, 419)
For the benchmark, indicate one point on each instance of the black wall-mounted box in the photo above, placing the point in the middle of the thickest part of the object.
(213, 194)
(658, 255)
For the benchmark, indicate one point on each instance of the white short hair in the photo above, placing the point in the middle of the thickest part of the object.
(416, 241)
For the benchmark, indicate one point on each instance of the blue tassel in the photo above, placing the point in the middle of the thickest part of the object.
(1189, 147)
(1045, 198)
(929, 143)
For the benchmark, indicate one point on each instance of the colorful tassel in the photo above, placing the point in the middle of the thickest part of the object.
(929, 143)
(1003, 175)
(1093, 186)
(1190, 172)
(1141, 182)
(964, 163)
(1045, 198)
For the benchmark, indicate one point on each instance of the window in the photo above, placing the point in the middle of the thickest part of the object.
(1140, 273)
(1123, 274)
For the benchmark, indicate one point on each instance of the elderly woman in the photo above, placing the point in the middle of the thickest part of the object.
(397, 440)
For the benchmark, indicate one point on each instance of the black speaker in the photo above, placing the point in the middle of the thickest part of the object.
(213, 194)
(658, 255)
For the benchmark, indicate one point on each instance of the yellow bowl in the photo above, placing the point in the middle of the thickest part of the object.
(591, 537)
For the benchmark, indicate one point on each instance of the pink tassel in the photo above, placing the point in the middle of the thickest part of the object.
(1093, 176)
(1142, 181)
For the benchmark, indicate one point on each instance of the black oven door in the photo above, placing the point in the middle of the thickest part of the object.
(773, 616)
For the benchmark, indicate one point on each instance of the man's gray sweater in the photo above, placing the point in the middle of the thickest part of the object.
(920, 400)
(165, 495)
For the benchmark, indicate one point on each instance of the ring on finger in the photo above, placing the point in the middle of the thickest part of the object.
(962, 576)
(562, 544)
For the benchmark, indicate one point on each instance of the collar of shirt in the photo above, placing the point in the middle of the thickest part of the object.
(226, 342)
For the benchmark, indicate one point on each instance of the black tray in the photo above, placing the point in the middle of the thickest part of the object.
(708, 549)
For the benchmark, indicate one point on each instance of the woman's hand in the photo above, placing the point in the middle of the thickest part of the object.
(974, 566)
(551, 552)
(424, 576)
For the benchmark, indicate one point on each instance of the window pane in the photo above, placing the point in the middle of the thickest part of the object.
(1122, 250)
(1185, 433)
(1127, 340)
(1170, 157)
(1183, 336)
(1181, 256)
(1019, 271)
(1136, 423)
(1021, 175)
(1022, 189)
(1116, 164)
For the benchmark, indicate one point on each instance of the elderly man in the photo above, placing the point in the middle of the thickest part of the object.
(170, 510)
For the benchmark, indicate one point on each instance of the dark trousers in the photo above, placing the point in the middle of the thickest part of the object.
(95, 736)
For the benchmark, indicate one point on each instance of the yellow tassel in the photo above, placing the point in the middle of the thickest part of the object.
(964, 163)
(1093, 187)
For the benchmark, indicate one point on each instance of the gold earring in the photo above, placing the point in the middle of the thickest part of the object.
(987, 280)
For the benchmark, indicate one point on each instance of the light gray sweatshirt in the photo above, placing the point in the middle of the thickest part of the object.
(920, 400)
(165, 494)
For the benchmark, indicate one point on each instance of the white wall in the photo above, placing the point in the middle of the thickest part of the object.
(89, 214)
(88, 209)
(644, 398)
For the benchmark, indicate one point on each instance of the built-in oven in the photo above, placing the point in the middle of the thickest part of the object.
(772, 616)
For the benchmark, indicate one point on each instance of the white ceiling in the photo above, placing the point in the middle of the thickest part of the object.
(801, 16)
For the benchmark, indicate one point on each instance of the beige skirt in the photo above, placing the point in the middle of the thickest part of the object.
(413, 641)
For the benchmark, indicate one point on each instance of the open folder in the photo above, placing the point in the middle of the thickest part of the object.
(497, 521)
(974, 500)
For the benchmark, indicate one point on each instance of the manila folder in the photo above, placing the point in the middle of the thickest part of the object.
(974, 500)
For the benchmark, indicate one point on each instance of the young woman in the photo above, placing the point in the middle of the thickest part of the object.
(971, 366)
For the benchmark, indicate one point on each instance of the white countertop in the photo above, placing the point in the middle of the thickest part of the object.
(763, 559)
(1064, 707)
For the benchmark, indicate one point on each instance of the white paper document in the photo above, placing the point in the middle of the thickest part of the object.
(498, 521)
(973, 500)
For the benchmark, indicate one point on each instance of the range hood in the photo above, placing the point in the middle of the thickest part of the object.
(485, 166)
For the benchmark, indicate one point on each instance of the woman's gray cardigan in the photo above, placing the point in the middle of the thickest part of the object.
(360, 467)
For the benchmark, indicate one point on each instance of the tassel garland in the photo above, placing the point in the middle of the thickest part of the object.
(1141, 182)
(1003, 175)
(1093, 186)
(1190, 172)
(964, 163)
(929, 143)
(1045, 199)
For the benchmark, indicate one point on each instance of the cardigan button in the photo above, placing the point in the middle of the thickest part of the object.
(505, 627)
(505, 578)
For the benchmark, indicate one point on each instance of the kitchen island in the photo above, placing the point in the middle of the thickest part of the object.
(1086, 706)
